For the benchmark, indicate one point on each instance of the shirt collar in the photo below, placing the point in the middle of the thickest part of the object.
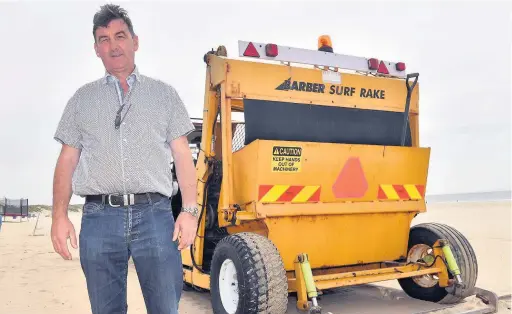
(135, 75)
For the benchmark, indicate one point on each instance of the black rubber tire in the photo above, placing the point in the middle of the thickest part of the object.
(429, 233)
(262, 281)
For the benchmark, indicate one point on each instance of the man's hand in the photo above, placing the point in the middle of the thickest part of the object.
(186, 225)
(62, 229)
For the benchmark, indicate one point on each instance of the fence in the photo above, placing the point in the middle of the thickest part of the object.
(14, 207)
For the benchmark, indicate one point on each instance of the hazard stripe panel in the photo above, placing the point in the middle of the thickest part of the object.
(401, 192)
(289, 193)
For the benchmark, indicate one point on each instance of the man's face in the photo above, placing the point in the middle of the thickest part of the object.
(116, 47)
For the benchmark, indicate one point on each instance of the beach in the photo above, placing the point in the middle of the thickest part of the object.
(35, 280)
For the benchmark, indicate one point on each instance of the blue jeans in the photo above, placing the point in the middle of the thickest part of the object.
(110, 235)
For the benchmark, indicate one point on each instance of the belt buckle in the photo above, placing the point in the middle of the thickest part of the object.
(110, 200)
(129, 199)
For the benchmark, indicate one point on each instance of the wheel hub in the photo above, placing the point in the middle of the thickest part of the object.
(228, 286)
(423, 252)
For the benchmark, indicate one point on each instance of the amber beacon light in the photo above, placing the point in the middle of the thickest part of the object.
(325, 43)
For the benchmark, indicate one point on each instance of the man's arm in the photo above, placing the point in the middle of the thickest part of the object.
(62, 228)
(185, 170)
(186, 224)
(62, 191)
(69, 135)
(179, 127)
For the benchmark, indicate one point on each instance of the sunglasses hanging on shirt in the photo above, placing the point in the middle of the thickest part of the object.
(119, 120)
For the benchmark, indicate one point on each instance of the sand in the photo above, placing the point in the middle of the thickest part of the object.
(34, 279)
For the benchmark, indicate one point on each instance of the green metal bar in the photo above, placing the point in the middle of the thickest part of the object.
(450, 259)
(308, 276)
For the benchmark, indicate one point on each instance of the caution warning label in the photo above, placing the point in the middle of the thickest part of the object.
(286, 159)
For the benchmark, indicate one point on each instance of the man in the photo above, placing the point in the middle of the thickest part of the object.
(118, 134)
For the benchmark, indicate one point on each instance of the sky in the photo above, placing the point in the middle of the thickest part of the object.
(461, 50)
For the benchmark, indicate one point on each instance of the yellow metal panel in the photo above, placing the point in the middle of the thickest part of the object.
(335, 231)
(322, 165)
(245, 175)
(340, 240)
(261, 81)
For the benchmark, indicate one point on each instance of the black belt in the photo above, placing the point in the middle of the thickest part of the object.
(118, 200)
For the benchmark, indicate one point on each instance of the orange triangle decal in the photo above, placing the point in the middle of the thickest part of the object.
(351, 181)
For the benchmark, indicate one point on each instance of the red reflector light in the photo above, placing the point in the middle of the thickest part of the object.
(271, 50)
(400, 66)
(251, 51)
(373, 64)
(382, 68)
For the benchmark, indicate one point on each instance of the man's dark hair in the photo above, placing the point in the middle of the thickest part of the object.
(107, 14)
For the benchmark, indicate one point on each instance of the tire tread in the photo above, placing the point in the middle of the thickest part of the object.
(265, 286)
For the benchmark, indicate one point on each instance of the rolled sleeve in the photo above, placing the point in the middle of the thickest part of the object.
(179, 123)
(67, 130)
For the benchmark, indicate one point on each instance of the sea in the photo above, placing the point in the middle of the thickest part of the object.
(470, 197)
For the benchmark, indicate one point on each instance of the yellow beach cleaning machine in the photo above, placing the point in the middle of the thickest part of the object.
(317, 185)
